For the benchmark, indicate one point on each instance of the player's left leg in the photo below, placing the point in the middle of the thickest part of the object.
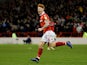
(52, 39)
(49, 47)
(56, 44)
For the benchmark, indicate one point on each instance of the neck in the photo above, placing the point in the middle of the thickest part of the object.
(42, 13)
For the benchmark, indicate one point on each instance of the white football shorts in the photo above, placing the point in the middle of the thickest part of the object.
(49, 36)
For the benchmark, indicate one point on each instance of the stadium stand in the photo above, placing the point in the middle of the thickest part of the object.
(21, 16)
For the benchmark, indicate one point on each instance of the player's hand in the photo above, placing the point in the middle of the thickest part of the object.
(40, 29)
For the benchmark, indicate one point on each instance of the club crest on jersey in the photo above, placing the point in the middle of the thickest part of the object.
(41, 20)
(45, 17)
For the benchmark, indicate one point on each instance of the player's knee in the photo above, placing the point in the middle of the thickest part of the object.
(52, 44)
(41, 45)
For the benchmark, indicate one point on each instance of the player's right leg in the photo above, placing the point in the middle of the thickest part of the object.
(40, 51)
(35, 60)
(44, 39)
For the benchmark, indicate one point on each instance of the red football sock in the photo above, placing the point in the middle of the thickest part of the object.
(60, 43)
(40, 50)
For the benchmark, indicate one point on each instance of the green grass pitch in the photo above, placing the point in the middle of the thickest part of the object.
(20, 54)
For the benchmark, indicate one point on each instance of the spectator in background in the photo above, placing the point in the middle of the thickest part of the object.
(28, 40)
(79, 28)
(21, 17)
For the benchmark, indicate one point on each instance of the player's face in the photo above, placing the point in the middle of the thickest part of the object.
(40, 10)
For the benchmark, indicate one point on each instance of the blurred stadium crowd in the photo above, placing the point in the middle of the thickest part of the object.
(21, 15)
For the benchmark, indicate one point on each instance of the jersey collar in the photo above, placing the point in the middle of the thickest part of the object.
(42, 13)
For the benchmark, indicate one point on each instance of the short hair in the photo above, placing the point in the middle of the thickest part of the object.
(41, 5)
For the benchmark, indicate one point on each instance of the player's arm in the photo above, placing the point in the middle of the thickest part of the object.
(45, 25)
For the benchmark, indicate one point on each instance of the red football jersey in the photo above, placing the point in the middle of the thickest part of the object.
(43, 17)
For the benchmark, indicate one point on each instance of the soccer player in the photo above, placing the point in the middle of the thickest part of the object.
(49, 35)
